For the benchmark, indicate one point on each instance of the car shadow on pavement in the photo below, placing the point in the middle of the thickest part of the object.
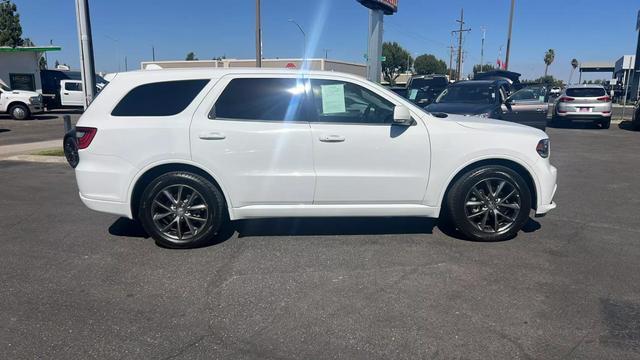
(315, 227)
(35, 118)
(626, 125)
(4, 130)
(559, 124)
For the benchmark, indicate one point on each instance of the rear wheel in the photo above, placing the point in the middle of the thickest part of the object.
(490, 203)
(19, 112)
(181, 210)
(606, 123)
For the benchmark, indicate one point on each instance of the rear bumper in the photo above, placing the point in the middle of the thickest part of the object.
(110, 207)
(585, 116)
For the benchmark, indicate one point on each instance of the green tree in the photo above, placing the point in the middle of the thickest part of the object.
(397, 60)
(482, 68)
(42, 64)
(10, 28)
(549, 56)
(27, 42)
(191, 56)
(428, 64)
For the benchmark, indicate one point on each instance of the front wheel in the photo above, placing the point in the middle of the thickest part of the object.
(490, 203)
(19, 112)
(181, 210)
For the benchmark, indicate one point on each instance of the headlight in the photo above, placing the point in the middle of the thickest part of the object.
(543, 148)
(34, 99)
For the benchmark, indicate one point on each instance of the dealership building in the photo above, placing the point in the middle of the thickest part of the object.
(20, 66)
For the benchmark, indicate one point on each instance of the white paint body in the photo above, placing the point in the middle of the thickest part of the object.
(71, 93)
(30, 99)
(282, 169)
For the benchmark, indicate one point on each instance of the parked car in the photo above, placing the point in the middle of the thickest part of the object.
(488, 99)
(20, 104)
(584, 103)
(423, 89)
(184, 151)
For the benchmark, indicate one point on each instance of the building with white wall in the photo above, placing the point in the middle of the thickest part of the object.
(20, 66)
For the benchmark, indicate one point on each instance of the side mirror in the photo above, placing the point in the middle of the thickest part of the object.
(402, 116)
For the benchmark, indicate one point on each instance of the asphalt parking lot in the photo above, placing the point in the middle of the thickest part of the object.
(79, 284)
(46, 126)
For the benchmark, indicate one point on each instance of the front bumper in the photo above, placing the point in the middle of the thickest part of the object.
(548, 187)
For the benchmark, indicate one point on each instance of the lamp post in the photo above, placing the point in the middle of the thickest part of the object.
(304, 38)
(86, 51)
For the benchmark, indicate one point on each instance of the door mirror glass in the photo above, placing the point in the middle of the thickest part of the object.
(402, 116)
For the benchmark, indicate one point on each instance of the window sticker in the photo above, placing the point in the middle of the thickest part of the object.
(333, 100)
(413, 94)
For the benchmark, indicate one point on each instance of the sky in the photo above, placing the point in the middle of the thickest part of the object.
(588, 30)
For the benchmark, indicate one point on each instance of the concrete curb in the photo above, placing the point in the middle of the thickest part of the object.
(37, 158)
(18, 149)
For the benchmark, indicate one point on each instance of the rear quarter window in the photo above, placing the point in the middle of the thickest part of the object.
(586, 92)
(159, 99)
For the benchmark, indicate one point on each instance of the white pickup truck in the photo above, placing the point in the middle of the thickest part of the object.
(20, 104)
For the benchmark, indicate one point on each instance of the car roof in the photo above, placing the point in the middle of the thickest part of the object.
(191, 73)
(582, 86)
(479, 82)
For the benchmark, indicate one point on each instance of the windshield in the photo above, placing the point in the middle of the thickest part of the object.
(468, 94)
(437, 82)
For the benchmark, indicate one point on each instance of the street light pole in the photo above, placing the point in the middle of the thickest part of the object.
(506, 60)
(304, 38)
(484, 31)
(258, 36)
(86, 51)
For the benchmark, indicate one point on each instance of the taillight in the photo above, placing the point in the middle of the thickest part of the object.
(566, 99)
(85, 135)
(604, 98)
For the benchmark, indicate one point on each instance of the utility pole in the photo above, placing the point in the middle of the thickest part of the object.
(460, 33)
(484, 31)
(153, 53)
(126, 66)
(258, 36)
(86, 51)
(451, 58)
(506, 60)
(326, 53)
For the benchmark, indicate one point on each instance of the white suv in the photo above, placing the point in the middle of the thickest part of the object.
(183, 151)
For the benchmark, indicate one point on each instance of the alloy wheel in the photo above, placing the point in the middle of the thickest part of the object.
(493, 205)
(179, 212)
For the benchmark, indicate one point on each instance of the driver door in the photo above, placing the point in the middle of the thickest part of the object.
(360, 157)
(527, 106)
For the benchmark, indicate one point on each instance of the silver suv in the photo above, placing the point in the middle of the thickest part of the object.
(584, 103)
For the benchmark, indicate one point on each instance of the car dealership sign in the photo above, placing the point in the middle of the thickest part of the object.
(388, 6)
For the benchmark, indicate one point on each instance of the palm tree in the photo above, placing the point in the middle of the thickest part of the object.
(549, 56)
(574, 65)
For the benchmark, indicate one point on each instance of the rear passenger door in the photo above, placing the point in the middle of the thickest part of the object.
(252, 133)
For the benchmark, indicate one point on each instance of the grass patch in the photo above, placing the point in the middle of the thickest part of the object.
(50, 152)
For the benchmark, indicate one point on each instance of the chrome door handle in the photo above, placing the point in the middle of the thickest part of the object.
(212, 136)
(332, 138)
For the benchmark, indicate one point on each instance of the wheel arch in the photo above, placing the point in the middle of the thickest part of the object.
(153, 172)
(511, 164)
(16, 102)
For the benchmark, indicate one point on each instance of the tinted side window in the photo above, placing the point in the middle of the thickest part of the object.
(71, 86)
(344, 102)
(277, 99)
(159, 99)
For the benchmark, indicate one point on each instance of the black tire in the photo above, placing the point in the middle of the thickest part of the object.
(19, 112)
(210, 196)
(456, 209)
(605, 124)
